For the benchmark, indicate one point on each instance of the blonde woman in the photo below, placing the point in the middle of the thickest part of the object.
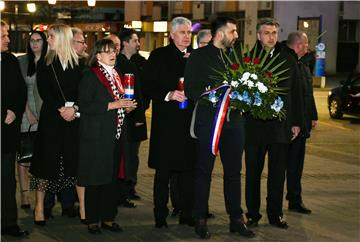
(54, 166)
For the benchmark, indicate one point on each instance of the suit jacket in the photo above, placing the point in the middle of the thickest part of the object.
(171, 146)
(13, 97)
(134, 133)
(275, 131)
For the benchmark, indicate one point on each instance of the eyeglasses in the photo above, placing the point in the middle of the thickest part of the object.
(108, 52)
(33, 41)
(80, 42)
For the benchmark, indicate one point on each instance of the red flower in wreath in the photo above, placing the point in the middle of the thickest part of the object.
(256, 61)
(268, 74)
(235, 66)
(247, 59)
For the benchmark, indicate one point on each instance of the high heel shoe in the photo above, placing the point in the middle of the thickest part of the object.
(39, 223)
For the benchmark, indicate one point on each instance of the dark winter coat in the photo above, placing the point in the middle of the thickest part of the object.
(171, 146)
(57, 139)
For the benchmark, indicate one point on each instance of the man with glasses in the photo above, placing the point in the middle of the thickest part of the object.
(199, 75)
(272, 136)
(80, 45)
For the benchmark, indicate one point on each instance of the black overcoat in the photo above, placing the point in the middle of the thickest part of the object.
(57, 139)
(274, 131)
(97, 165)
(171, 146)
(13, 97)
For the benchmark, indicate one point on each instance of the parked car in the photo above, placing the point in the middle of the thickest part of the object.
(345, 99)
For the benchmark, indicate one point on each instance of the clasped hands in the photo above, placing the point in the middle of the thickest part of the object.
(67, 113)
(128, 104)
(177, 95)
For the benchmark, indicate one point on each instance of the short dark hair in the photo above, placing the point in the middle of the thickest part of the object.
(100, 45)
(294, 37)
(126, 35)
(267, 21)
(220, 22)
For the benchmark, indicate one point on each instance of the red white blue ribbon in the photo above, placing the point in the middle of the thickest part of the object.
(218, 122)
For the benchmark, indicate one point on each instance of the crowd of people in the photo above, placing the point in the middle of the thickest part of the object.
(88, 131)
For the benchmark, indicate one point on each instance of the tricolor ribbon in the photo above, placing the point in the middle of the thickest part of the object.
(218, 122)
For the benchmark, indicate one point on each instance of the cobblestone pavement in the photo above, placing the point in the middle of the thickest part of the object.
(331, 188)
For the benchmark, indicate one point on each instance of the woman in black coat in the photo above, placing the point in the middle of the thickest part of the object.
(54, 165)
(102, 134)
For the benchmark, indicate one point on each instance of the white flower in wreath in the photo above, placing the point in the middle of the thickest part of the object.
(246, 76)
(249, 83)
(234, 84)
(254, 76)
(225, 82)
(262, 88)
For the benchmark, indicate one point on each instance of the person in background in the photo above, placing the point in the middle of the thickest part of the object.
(298, 41)
(102, 136)
(199, 75)
(172, 150)
(55, 160)
(36, 50)
(79, 43)
(13, 100)
(116, 41)
(203, 37)
(136, 122)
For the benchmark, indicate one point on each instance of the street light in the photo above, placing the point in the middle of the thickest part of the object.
(91, 3)
(2, 5)
(52, 2)
(31, 7)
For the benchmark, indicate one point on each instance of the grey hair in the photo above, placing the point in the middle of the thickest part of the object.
(295, 37)
(176, 22)
(76, 30)
(201, 34)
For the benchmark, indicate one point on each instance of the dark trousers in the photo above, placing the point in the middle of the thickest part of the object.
(66, 197)
(295, 166)
(174, 194)
(132, 163)
(8, 190)
(161, 192)
(101, 202)
(254, 160)
(231, 145)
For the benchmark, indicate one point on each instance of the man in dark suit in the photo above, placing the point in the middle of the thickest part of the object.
(298, 41)
(136, 122)
(272, 136)
(172, 150)
(199, 72)
(13, 99)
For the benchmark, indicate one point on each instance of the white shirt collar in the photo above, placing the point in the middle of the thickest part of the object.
(107, 67)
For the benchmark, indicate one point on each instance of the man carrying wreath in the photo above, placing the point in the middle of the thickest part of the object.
(199, 75)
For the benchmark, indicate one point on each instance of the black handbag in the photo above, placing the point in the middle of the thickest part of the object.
(26, 148)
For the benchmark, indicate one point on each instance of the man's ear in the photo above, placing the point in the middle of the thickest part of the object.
(258, 35)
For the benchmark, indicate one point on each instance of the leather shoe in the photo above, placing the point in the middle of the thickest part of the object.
(159, 223)
(201, 229)
(15, 231)
(299, 208)
(126, 203)
(251, 222)
(187, 220)
(94, 229)
(114, 227)
(278, 222)
(238, 226)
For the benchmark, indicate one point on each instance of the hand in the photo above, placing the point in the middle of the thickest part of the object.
(177, 96)
(122, 103)
(295, 130)
(31, 118)
(10, 117)
(314, 123)
(129, 109)
(138, 124)
(67, 113)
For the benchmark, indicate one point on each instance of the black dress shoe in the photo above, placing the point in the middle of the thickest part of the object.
(159, 223)
(175, 212)
(94, 229)
(201, 229)
(83, 221)
(70, 212)
(278, 222)
(114, 227)
(187, 220)
(251, 223)
(238, 226)
(14, 231)
(133, 195)
(299, 208)
(126, 203)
